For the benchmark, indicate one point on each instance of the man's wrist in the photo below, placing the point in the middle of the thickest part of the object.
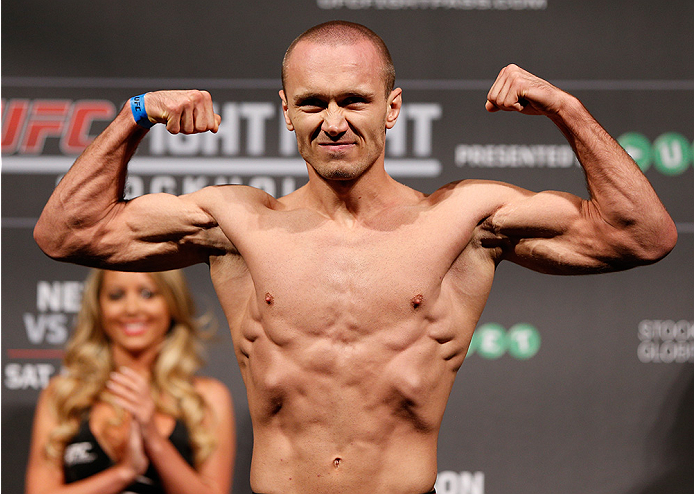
(137, 107)
(569, 111)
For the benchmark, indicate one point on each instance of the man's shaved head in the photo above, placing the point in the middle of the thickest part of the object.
(345, 33)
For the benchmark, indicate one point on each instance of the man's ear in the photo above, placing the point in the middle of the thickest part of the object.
(285, 108)
(394, 106)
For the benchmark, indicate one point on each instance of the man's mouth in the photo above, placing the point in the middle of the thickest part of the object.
(335, 146)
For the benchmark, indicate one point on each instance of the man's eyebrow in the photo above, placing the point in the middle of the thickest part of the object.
(366, 95)
(301, 98)
(313, 96)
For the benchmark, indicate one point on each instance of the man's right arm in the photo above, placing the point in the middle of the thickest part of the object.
(87, 220)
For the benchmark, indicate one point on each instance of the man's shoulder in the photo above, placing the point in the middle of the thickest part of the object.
(471, 203)
(471, 190)
(231, 194)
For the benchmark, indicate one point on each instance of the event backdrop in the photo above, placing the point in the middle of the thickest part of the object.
(573, 384)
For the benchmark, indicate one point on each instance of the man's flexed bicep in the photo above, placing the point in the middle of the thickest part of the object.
(560, 233)
(552, 232)
(162, 231)
(151, 232)
(86, 219)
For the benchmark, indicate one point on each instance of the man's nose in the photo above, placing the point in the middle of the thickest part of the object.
(334, 121)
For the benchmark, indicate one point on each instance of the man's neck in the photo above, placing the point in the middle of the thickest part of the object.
(353, 200)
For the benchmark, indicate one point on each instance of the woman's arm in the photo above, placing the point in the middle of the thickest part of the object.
(45, 475)
(214, 475)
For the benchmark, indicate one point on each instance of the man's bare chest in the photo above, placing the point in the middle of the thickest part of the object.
(360, 272)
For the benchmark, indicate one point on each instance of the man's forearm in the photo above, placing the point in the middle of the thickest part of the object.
(620, 193)
(94, 184)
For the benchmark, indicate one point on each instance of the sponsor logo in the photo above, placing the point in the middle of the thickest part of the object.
(26, 125)
(434, 4)
(77, 453)
(670, 153)
(666, 341)
(448, 482)
(515, 156)
(492, 340)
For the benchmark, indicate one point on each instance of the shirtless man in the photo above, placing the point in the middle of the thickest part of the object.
(352, 301)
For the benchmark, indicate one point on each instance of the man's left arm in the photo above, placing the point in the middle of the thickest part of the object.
(623, 223)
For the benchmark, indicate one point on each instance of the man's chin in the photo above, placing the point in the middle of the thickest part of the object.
(337, 169)
(340, 174)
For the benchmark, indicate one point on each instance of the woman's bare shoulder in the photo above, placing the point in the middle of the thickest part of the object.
(212, 390)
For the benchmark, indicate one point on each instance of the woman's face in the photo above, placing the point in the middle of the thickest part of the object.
(134, 313)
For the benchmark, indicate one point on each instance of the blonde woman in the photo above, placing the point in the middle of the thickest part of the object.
(128, 415)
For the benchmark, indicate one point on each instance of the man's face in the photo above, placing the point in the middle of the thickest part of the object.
(335, 100)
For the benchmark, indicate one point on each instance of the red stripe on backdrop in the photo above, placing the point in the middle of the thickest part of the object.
(34, 353)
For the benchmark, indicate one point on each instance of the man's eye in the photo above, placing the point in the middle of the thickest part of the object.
(354, 102)
(311, 104)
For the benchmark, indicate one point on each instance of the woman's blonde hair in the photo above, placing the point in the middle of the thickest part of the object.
(88, 362)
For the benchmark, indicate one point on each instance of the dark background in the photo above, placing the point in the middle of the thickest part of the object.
(585, 413)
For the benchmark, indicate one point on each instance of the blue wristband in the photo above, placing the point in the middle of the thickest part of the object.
(137, 106)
